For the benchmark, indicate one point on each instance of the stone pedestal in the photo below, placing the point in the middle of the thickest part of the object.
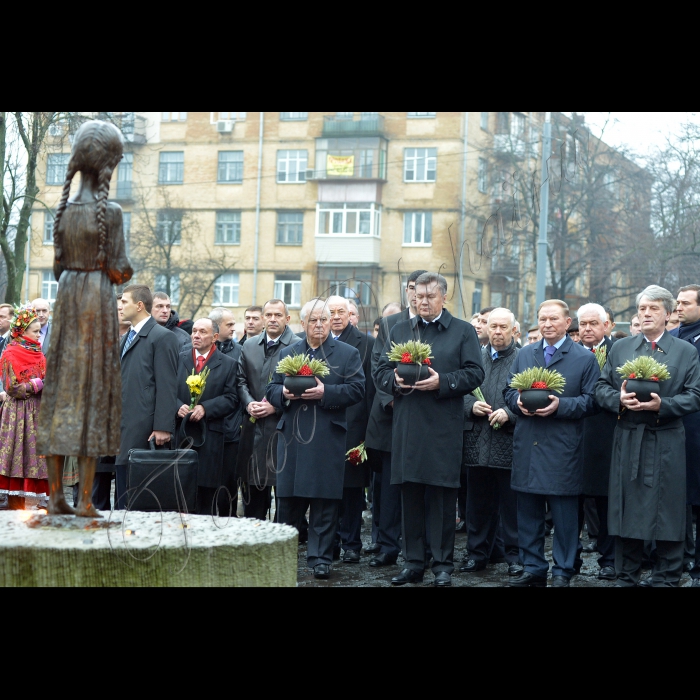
(144, 549)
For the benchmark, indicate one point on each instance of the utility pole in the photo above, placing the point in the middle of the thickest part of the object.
(544, 212)
(461, 310)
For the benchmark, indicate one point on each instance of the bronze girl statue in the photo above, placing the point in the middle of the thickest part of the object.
(81, 406)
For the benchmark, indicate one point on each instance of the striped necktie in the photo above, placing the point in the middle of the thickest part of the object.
(129, 341)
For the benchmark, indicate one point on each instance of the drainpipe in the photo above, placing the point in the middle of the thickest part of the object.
(462, 228)
(257, 210)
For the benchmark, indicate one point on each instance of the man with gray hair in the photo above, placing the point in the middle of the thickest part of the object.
(598, 431)
(43, 314)
(647, 473)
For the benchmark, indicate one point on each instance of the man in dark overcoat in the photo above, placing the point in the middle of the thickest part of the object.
(548, 449)
(356, 476)
(598, 431)
(688, 300)
(386, 497)
(427, 436)
(215, 406)
(256, 458)
(647, 493)
(488, 452)
(312, 435)
(149, 363)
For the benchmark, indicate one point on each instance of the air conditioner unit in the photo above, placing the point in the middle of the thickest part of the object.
(310, 174)
(225, 127)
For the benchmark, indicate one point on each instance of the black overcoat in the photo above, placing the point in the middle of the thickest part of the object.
(379, 426)
(256, 457)
(427, 427)
(647, 489)
(149, 386)
(312, 434)
(484, 446)
(598, 431)
(232, 431)
(357, 415)
(547, 452)
(219, 401)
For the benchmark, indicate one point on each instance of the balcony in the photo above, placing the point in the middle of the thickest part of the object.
(506, 145)
(350, 158)
(133, 127)
(124, 191)
(334, 127)
(505, 266)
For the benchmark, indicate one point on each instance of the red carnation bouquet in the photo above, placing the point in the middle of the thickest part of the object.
(357, 455)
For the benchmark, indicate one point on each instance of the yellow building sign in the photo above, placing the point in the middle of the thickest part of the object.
(340, 165)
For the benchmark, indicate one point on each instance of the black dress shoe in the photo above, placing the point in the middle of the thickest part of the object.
(383, 560)
(591, 547)
(472, 565)
(373, 548)
(528, 580)
(322, 571)
(351, 557)
(442, 579)
(607, 573)
(645, 583)
(515, 569)
(407, 576)
(461, 526)
(560, 582)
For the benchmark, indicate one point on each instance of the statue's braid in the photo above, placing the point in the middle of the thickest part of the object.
(102, 193)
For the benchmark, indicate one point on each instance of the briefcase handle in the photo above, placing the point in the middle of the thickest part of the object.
(152, 445)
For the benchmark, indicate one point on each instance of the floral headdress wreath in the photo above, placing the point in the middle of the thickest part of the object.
(24, 317)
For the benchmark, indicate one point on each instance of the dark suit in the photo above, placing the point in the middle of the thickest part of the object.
(149, 392)
(256, 467)
(386, 498)
(356, 477)
(311, 445)
(46, 339)
(219, 402)
(427, 435)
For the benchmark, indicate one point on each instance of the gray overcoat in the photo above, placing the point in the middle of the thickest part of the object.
(647, 492)
(256, 458)
(427, 427)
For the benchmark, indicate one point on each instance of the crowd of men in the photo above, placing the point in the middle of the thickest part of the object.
(596, 457)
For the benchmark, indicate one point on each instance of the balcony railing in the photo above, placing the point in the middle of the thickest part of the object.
(133, 127)
(366, 126)
(505, 266)
(507, 145)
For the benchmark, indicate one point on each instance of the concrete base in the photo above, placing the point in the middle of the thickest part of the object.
(145, 549)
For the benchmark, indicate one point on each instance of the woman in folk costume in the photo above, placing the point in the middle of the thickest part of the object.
(81, 410)
(23, 367)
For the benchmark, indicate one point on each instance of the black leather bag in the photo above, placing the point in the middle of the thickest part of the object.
(162, 479)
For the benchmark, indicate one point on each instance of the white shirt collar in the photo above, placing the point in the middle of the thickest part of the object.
(137, 328)
(199, 354)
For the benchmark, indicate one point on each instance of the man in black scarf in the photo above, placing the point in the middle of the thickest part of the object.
(688, 299)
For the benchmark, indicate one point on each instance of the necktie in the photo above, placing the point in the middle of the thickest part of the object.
(653, 345)
(129, 341)
(548, 352)
(271, 344)
(200, 363)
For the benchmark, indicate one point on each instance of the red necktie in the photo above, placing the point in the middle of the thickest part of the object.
(653, 345)
(200, 363)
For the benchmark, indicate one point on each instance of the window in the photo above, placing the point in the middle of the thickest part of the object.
(49, 286)
(518, 126)
(293, 116)
(172, 168)
(230, 166)
(485, 121)
(344, 115)
(231, 116)
(290, 227)
(355, 284)
(366, 162)
(291, 166)
(124, 174)
(482, 175)
(421, 115)
(288, 289)
(56, 165)
(228, 227)
(349, 219)
(169, 227)
(173, 116)
(226, 290)
(476, 297)
(420, 164)
(369, 115)
(128, 121)
(172, 290)
(48, 226)
(418, 228)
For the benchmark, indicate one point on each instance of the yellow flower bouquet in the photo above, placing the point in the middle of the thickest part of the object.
(196, 384)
